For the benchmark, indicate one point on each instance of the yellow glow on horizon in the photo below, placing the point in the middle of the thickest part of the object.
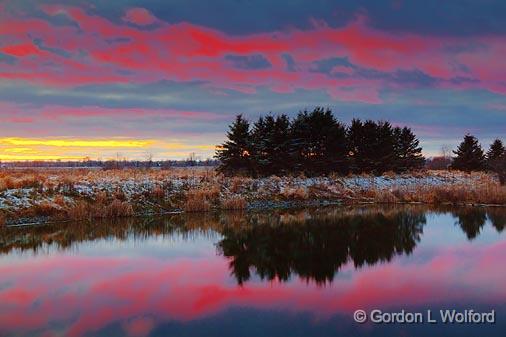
(76, 142)
(28, 149)
(181, 146)
(34, 157)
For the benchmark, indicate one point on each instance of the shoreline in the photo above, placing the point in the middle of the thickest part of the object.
(249, 210)
(54, 195)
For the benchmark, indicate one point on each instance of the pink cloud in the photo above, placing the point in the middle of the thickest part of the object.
(139, 16)
(21, 50)
(106, 52)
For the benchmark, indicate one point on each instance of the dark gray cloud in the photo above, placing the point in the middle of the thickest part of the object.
(326, 65)
(7, 58)
(414, 77)
(249, 62)
(61, 52)
(290, 62)
(434, 17)
(452, 109)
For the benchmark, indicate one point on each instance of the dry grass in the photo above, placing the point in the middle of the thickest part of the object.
(385, 196)
(19, 180)
(201, 200)
(158, 193)
(299, 193)
(234, 203)
(56, 192)
(79, 211)
(489, 193)
(87, 210)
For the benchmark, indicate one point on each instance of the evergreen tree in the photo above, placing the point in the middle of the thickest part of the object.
(234, 154)
(280, 144)
(371, 146)
(407, 150)
(496, 160)
(469, 155)
(270, 146)
(318, 143)
(260, 156)
(383, 154)
(356, 146)
(495, 152)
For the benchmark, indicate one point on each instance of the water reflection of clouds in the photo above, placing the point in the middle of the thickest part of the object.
(93, 292)
(84, 292)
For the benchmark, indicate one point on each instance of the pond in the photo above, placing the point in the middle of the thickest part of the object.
(280, 273)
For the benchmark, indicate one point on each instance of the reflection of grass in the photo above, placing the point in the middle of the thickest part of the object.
(87, 194)
(63, 235)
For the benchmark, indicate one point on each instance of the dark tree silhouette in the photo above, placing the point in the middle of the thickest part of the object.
(496, 160)
(471, 220)
(234, 154)
(407, 150)
(260, 153)
(356, 146)
(495, 151)
(318, 143)
(281, 145)
(497, 217)
(270, 145)
(384, 156)
(469, 155)
(371, 146)
(319, 245)
(315, 143)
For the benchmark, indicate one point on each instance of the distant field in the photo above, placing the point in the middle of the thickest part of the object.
(38, 195)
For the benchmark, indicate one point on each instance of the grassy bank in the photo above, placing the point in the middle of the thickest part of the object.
(87, 194)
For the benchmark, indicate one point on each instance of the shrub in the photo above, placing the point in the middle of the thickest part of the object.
(200, 200)
(234, 203)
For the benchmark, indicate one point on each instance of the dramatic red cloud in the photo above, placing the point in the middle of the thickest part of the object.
(21, 50)
(101, 51)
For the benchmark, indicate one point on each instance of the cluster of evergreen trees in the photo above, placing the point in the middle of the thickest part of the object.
(315, 143)
(470, 156)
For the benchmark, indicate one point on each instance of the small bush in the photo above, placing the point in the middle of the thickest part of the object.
(79, 211)
(299, 193)
(200, 200)
(118, 209)
(234, 203)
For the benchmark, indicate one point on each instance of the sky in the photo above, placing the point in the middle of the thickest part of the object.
(142, 78)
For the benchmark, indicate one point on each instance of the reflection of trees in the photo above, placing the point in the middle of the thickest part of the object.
(497, 217)
(471, 220)
(65, 235)
(313, 244)
(318, 246)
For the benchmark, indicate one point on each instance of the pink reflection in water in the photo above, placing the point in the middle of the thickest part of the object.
(88, 293)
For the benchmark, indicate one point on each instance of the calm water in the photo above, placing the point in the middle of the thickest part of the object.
(296, 273)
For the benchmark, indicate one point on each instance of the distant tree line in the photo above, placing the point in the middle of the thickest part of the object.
(315, 143)
(470, 156)
(111, 164)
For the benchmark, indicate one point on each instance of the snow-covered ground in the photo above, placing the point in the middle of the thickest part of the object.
(141, 187)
